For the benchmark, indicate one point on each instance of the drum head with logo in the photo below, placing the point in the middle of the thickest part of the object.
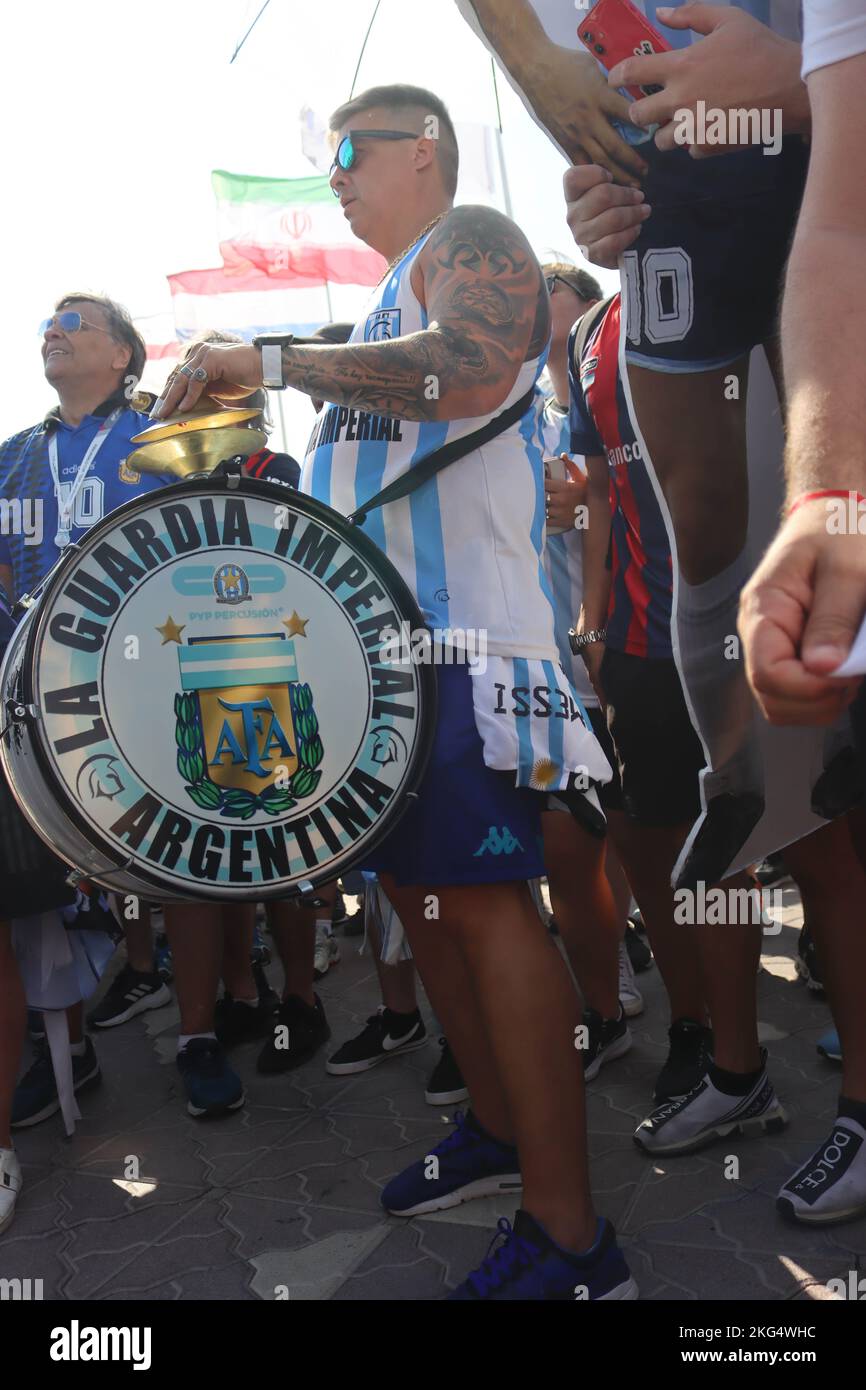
(215, 716)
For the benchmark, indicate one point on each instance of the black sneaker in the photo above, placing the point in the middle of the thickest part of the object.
(387, 1034)
(133, 992)
(339, 914)
(446, 1086)
(691, 1047)
(608, 1038)
(36, 1093)
(806, 964)
(298, 1031)
(636, 944)
(236, 1022)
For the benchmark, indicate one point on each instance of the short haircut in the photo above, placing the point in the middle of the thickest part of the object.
(400, 96)
(333, 333)
(120, 326)
(585, 286)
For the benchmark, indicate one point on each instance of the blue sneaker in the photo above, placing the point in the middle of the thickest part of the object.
(36, 1095)
(470, 1163)
(212, 1088)
(830, 1047)
(528, 1265)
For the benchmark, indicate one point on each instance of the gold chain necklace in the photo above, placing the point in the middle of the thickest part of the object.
(406, 249)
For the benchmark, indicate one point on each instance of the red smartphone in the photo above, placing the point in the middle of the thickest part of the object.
(615, 30)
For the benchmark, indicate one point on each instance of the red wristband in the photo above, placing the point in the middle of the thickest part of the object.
(825, 492)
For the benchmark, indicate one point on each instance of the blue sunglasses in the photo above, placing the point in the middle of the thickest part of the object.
(69, 321)
(347, 154)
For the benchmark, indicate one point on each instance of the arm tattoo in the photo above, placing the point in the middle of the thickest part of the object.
(487, 312)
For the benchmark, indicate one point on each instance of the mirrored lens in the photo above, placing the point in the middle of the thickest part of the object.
(346, 152)
(68, 322)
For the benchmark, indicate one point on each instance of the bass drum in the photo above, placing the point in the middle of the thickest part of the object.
(204, 699)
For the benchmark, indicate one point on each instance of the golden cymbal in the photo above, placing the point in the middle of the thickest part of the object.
(198, 451)
(197, 440)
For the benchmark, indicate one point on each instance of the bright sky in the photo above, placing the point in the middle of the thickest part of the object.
(116, 112)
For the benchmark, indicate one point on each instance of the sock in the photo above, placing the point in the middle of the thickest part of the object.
(185, 1038)
(706, 618)
(852, 1110)
(733, 1083)
(78, 1049)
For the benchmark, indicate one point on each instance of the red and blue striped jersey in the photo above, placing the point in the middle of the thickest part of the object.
(639, 611)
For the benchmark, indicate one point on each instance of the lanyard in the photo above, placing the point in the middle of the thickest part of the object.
(64, 509)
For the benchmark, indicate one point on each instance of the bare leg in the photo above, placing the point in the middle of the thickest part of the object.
(729, 956)
(584, 908)
(294, 932)
(13, 1020)
(522, 991)
(648, 854)
(139, 941)
(239, 920)
(396, 982)
(832, 884)
(195, 934)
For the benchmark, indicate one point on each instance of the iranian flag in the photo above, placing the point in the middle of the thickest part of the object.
(291, 231)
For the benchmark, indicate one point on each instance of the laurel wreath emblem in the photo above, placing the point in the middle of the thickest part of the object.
(234, 801)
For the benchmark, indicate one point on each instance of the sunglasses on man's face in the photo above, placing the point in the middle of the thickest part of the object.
(70, 321)
(550, 282)
(347, 154)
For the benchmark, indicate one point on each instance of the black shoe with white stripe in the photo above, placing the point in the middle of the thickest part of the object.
(133, 992)
(707, 1113)
(387, 1034)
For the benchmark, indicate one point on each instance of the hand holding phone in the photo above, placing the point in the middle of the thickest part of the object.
(615, 30)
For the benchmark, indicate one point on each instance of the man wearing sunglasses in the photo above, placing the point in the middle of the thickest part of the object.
(62, 476)
(456, 334)
(70, 470)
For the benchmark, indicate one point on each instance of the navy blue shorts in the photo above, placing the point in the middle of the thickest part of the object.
(469, 823)
(704, 279)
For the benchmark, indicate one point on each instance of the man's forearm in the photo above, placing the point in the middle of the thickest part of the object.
(515, 31)
(825, 367)
(825, 294)
(423, 376)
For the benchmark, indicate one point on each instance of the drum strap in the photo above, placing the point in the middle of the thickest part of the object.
(433, 463)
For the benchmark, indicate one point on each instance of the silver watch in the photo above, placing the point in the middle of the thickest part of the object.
(577, 641)
(271, 346)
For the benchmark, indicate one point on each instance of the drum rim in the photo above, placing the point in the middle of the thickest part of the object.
(405, 603)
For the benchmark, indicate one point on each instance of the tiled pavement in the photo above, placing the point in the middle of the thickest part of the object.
(282, 1198)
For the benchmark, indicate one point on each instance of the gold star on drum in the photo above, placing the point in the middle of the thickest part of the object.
(197, 699)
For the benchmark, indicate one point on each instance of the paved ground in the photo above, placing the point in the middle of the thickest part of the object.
(286, 1192)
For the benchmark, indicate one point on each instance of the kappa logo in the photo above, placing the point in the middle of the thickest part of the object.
(498, 842)
(382, 325)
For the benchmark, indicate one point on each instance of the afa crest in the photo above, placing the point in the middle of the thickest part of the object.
(246, 731)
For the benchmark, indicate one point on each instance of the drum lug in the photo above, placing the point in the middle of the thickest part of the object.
(307, 895)
(74, 878)
(18, 713)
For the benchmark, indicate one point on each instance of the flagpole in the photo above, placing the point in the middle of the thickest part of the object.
(330, 306)
(503, 172)
(279, 396)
